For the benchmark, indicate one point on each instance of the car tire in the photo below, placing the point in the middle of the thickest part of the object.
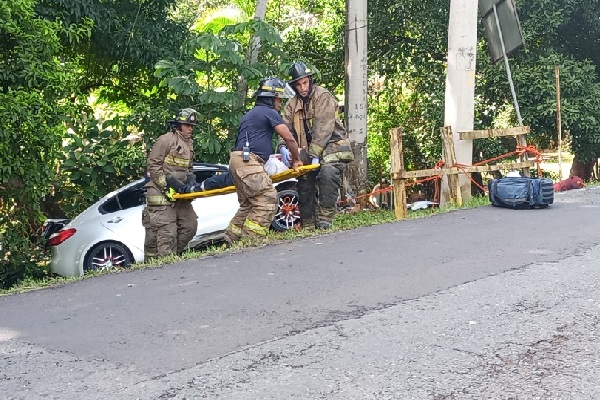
(288, 212)
(108, 255)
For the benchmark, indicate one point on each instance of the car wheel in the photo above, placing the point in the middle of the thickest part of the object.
(288, 212)
(108, 255)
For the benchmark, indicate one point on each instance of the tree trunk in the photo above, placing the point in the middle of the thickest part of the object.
(581, 169)
(252, 52)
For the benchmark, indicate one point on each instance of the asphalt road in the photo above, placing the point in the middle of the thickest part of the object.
(472, 304)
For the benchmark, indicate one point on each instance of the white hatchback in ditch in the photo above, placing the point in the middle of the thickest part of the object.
(109, 234)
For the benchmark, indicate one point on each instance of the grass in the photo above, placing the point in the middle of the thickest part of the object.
(342, 222)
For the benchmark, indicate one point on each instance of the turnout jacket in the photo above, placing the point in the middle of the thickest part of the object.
(317, 128)
(171, 154)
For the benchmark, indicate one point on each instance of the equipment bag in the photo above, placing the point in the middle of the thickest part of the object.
(522, 192)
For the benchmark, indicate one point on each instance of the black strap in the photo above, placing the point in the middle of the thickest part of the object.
(306, 128)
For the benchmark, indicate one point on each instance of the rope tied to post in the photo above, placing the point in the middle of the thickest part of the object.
(520, 151)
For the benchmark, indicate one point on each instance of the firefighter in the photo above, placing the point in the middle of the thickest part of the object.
(312, 118)
(254, 145)
(170, 224)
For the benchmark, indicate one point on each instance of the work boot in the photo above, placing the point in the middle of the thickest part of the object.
(230, 237)
(308, 222)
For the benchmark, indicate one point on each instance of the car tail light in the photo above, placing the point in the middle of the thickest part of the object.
(60, 236)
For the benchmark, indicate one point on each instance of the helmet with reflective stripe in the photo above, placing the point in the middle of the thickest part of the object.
(299, 70)
(186, 116)
(272, 87)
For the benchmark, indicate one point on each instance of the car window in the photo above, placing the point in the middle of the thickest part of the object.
(131, 197)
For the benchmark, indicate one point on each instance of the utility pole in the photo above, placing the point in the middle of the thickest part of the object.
(355, 103)
(558, 121)
(460, 85)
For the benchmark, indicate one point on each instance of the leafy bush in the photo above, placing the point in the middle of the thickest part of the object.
(20, 253)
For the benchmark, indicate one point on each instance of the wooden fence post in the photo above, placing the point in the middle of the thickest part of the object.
(522, 141)
(450, 159)
(398, 167)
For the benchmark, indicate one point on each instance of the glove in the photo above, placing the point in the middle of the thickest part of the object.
(169, 194)
(178, 187)
(191, 179)
(286, 156)
(193, 186)
(315, 160)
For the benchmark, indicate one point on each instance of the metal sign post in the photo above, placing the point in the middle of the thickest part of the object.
(507, 64)
(521, 141)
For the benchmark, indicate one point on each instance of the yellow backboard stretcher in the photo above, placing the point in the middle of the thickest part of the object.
(280, 177)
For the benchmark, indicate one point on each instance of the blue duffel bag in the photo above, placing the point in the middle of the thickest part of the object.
(521, 192)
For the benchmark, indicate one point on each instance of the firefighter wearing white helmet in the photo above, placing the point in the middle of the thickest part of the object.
(170, 224)
(254, 145)
(312, 118)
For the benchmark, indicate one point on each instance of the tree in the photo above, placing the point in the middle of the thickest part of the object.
(207, 76)
(33, 86)
(407, 47)
(253, 49)
(54, 56)
(556, 33)
(116, 98)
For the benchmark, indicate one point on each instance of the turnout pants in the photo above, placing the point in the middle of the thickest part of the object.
(318, 194)
(256, 195)
(169, 228)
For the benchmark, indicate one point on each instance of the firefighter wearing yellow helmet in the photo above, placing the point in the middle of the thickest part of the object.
(170, 224)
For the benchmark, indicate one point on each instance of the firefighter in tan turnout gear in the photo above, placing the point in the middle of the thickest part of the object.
(254, 145)
(312, 118)
(170, 224)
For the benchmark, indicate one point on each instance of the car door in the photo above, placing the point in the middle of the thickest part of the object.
(215, 212)
(122, 215)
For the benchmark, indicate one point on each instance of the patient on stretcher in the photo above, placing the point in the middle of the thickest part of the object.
(273, 166)
(217, 181)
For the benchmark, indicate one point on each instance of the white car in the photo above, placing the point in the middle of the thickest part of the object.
(109, 234)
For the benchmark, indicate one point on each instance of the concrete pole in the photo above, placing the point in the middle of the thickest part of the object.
(558, 121)
(460, 85)
(355, 102)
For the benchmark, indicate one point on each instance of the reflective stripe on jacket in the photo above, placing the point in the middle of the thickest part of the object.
(171, 154)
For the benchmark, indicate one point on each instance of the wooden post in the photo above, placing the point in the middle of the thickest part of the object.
(398, 167)
(522, 141)
(450, 159)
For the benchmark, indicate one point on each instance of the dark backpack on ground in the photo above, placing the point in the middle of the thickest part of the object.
(521, 192)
